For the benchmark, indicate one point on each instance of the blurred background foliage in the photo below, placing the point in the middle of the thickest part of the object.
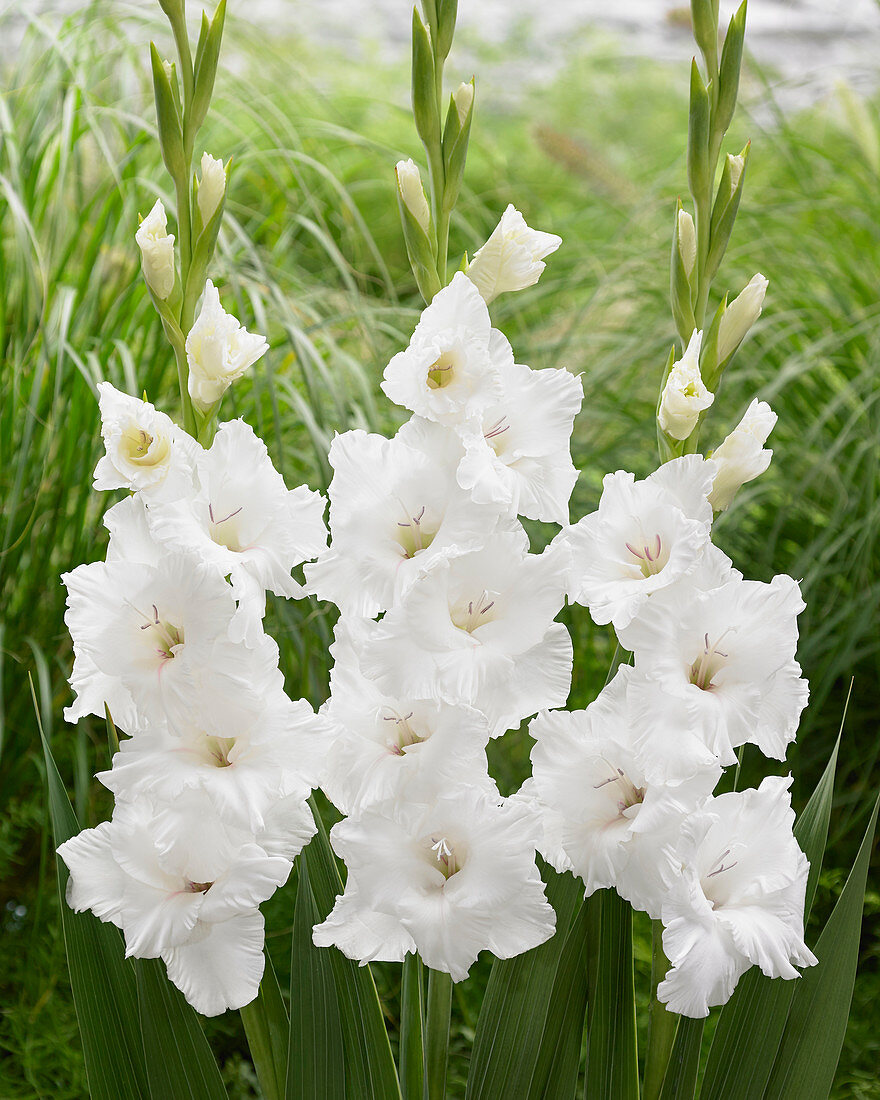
(311, 254)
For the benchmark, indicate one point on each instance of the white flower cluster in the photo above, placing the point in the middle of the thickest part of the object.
(425, 534)
(212, 782)
(624, 788)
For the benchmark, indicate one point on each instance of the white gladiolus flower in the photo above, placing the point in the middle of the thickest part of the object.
(478, 629)
(145, 450)
(157, 251)
(387, 747)
(212, 186)
(644, 536)
(447, 880)
(740, 315)
(684, 396)
(450, 371)
(243, 768)
(741, 457)
(736, 899)
(512, 258)
(395, 507)
(609, 821)
(194, 905)
(245, 524)
(517, 453)
(412, 193)
(218, 350)
(155, 639)
(716, 669)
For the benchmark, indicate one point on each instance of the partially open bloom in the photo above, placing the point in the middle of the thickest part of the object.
(517, 453)
(245, 524)
(740, 315)
(512, 258)
(448, 880)
(741, 457)
(684, 396)
(644, 536)
(716, 669)
(194, 905)
(145, 451)
(451, 368)
(395, 507)
(157, 251)
(212, 187)
(412, 194)
(736, 898)
(218, 350)
(387, 746)
(478, 629)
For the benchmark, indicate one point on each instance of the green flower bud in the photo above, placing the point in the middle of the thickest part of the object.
(726, 205)
(728, 77)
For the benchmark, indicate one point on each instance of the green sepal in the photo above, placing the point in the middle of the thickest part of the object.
(728, 74)
(710, 369)
(704, 18)
(429, 10)
(173, 9)
(426, 110)
(455, 145)
(421, 251)
(168, 118)
(698, 136)
(724, 212)
(205, 238)
(112, 735)
(205, 70)
(680, 289)
(447, 11)
(669, 447)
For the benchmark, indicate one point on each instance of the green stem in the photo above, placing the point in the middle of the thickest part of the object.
(439, 1008)
(661, 1023)
(412, 1025)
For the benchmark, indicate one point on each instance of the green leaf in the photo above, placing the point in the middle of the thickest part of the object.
(179, 1061)
(751, 1024)
(412, 1028)
(684, 1060)
(102, 980)
(369, 1066)
(612, 1060)
(315, 1065)
(267, 1028)
(516, 1003)
(555, 1076)
(811, 1044)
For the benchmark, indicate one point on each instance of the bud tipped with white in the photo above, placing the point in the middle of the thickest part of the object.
(687, 242)
(740, 458)
(212, 187)
(218, 350)
(512, 257)
(739, 317)
(157, 251)
(412, 193)
(463, 97)
(735, 163)
(684, 395)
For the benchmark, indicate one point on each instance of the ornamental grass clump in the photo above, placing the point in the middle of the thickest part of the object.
(447, 639)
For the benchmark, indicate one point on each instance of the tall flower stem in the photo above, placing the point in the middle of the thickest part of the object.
(412, 1026)
(439, 1008)
(661, 1023)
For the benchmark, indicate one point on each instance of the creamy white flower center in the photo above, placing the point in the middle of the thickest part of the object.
(714, 887)
(167, 636)
(497, 434)
(135, 446)
(191, 887)
(416, 532)
(401, 733)
(468, 616)
(442, 371)
(223, 531)
(216, 750)
(651, 554)
(709, 663)
(627, 793)
(445, 856)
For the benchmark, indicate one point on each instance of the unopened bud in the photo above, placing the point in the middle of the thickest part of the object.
(212, 187)
(687, 242)
(735, 162)
(684, 395)
(169, 69)
(741, 457)
(739, 317)
(412, 193)
(157, 251)
(464, 98)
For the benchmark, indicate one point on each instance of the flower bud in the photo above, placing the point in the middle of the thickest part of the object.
(687, 242)
(739, 317)
(412, 193)
(218, 350)
(463, 97)
(740, 458)
(684, 395)
(169, 69)
(157, 251)
(212, 187)
(512, 258)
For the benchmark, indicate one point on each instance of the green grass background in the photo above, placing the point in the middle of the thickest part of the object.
(311, 253)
